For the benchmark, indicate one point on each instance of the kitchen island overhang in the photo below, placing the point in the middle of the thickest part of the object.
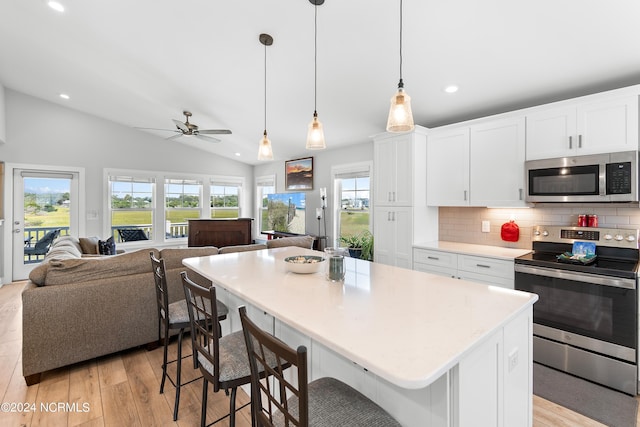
(406, 328)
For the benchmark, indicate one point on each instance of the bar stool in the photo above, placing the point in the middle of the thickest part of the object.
(323, 402)
(173, 316)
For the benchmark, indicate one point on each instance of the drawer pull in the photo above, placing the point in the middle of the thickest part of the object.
(433, 258)
(483, 266)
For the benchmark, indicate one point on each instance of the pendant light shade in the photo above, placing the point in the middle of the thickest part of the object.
(400, 114)
(265, 152)
(315, 134)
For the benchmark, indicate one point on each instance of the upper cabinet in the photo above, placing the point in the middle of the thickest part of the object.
(399, 168)
(591, 125)
(481, 164)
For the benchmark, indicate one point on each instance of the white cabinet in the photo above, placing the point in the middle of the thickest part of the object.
(448, 167)
(400, 214)
(487, 270)
(393, 236)
(481, 164)
(399, 161)
(591, 125)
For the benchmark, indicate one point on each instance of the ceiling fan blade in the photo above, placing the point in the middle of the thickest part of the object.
(183, 127)
(207, 138)
(166, 130)
(215, 132)
(176, 136)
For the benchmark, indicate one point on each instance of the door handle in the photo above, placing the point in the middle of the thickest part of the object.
(579, 141)
(17, 230)
(570, 142)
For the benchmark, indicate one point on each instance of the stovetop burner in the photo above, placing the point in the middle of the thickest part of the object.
(616, 249)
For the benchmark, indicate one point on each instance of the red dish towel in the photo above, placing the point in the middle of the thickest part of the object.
(510, 232)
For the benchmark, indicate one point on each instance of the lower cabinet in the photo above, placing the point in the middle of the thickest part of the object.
(490, 271)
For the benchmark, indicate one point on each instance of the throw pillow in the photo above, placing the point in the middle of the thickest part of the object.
(107, 247)
(89, 245)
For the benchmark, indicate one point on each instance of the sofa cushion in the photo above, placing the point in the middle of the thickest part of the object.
(173, 257)
(85, 269)
(64, 250)
(107, 247)
(89, 245)
(38, 274)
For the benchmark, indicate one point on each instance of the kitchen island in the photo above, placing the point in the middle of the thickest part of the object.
(431, 350)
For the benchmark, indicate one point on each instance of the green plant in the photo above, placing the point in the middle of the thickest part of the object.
(362, 241)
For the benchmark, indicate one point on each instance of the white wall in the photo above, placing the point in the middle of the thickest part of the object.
(323, 160)
(3, 124)
(44, 133)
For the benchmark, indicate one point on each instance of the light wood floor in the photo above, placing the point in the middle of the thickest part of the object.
(123, 389)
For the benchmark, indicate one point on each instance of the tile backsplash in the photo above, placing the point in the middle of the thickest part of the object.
(461, 224)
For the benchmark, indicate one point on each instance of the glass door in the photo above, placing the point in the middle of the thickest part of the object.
(44, 207)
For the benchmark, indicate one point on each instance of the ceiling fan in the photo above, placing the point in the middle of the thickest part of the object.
(189, 129)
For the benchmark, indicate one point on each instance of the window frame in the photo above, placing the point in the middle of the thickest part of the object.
(260, 182)
(338, 173)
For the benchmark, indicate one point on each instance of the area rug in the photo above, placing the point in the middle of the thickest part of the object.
(599, 403)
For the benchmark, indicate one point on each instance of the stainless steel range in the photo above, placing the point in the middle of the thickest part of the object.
(586, 318)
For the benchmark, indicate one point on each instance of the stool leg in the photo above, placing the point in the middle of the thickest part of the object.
(203, 414)
(164, 360)
(176, 404)
(232, 408)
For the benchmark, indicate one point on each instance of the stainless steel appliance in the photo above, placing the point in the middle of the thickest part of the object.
(595, 178)
(586, 319)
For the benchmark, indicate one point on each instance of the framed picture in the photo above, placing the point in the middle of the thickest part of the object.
(299, 174)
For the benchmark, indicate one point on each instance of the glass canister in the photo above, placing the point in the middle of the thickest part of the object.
(335, 264)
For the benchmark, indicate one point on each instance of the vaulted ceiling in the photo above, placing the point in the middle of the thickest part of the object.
(141, 63)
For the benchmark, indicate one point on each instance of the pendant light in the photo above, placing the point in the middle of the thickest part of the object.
(315, 135)
(264, 150)
(400, 115)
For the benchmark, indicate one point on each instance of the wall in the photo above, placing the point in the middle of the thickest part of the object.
(464, 224)
(3, 121)
(323, 160)
(44, 133)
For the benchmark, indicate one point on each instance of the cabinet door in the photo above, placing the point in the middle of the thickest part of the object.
(448, 168)
(551, 133)
(393, 236)
(608, 126)
(385, 160)
(403, 191)
(497, 151)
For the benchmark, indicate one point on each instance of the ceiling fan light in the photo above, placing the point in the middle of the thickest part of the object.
(400, 114)
(315, 135)
(265, 152)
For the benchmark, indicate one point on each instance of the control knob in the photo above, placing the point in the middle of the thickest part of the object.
(619, 237)
(536, 233)
(631, 238)
(608, 236)
(545, 233)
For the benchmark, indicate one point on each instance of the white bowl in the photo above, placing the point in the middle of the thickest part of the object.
(304, 264)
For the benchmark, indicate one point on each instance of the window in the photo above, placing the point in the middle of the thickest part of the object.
(225, 200)
(131, 203)
(352, 186)
(265, 185)
(182, 202)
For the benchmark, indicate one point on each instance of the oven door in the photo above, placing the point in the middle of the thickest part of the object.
(598, 313)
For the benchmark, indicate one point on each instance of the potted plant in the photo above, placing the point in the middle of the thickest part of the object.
(360, 245)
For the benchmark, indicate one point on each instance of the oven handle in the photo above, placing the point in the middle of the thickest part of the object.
(596, 279)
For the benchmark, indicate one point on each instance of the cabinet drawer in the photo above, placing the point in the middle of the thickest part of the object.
(437, 258)
(486, 266)
(435, 269)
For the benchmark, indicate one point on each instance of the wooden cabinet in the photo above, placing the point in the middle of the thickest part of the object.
(487, 270)
(219, 232)
(481, 164)
(590, 125)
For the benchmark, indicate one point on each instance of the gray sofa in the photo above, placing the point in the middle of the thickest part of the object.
(79, 306)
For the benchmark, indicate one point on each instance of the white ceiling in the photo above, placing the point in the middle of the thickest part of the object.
(141, 63)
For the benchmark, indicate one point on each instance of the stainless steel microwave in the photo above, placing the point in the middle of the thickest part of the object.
(609, 177)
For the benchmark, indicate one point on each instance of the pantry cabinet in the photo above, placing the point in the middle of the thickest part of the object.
(590, 125)
(481, 164)
(400, 214)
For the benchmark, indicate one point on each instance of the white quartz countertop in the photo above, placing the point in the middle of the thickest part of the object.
(473, 249)
(405, 326)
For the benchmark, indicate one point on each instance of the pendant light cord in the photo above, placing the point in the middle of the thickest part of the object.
(400, 40)
(265, 88)
(315, 61)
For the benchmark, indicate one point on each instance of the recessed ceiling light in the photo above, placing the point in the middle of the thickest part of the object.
(238, 154)
(55, 6)
(451, 89)
(64, 96)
